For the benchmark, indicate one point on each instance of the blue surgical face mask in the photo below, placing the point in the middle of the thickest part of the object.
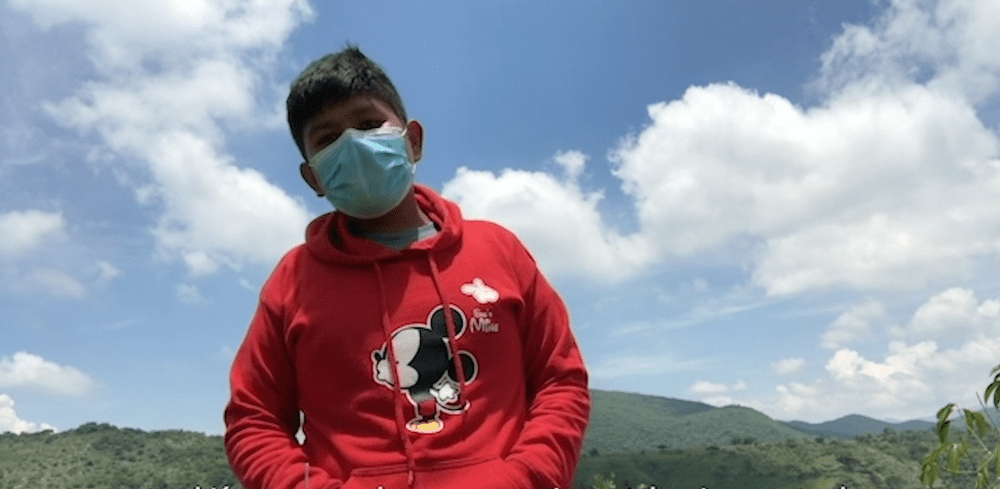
(365, 174)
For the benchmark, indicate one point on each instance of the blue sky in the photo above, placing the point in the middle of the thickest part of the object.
(788, 205)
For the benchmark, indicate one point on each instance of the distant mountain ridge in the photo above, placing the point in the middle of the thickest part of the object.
(630, 422)
(854, 425)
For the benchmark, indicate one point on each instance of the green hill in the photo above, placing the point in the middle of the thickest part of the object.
(629, 422)
(100, 456)
(853, 425)
(623, 422)
(721, 426)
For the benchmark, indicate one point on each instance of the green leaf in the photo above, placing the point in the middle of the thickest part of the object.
(932, 458)
(955, 454)
(945, 412)
(943, 431)
(929, 473)
(976, 422)
(994, 389)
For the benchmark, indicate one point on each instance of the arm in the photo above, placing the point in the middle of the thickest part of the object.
(548, 449)
(262, 415)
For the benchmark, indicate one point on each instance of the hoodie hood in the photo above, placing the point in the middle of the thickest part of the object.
(500, 394)
(329, 238)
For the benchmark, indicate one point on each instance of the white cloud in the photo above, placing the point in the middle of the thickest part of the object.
(23, 231)
(557, 219)
(955, 313)
(174, 75)
(796, 398)
(214, 212)
(853, 325)
(788, 366)
(189, 294)
(41, 281)
(24, 234)
(572, 162)
(703, 387)
(890, 182)
(53, 282)
(951, 43)
(31, 371)
(716, 394)
(895, 380)
(945, 355)
(873, 192)
(10, 422)
(720, 401)
(106, 271)
(124, 35)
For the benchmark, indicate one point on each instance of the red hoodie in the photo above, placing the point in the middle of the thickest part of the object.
(493, 395)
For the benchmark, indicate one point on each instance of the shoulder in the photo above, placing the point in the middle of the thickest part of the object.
(478, 229)
(292, 259)
(488, 236)
(284, 277)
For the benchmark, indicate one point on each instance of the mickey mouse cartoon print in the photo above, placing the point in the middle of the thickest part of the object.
(426, 369)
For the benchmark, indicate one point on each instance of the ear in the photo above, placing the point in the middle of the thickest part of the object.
(415, 134)
(310, 177)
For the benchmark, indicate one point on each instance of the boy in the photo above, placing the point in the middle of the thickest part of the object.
(414, 349)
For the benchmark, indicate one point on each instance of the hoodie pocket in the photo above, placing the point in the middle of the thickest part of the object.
(396, 477)
(489, 474)
(395, 480)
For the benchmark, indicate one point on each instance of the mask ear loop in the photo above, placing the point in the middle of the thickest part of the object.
(409, 152)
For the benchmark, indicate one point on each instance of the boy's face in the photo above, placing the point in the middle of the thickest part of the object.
(359, 112)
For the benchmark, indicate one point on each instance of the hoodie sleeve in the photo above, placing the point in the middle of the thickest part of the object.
(262, 415)
(549, 446)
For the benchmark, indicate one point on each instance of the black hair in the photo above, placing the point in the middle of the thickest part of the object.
(334, 78)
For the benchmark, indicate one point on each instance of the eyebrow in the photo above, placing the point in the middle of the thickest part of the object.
(314, 128)
(357, 111)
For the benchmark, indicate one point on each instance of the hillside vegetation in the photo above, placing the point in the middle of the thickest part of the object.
(641, 439)
(792, 464)
(100, 456)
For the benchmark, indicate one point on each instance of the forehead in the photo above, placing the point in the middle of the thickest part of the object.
(341, 115)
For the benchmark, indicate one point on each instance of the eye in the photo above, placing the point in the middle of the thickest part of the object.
(323, 139)
(370, 124)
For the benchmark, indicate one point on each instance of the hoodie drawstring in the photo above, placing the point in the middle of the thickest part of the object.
(397, 390)
(453, 349)
(449, 320)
